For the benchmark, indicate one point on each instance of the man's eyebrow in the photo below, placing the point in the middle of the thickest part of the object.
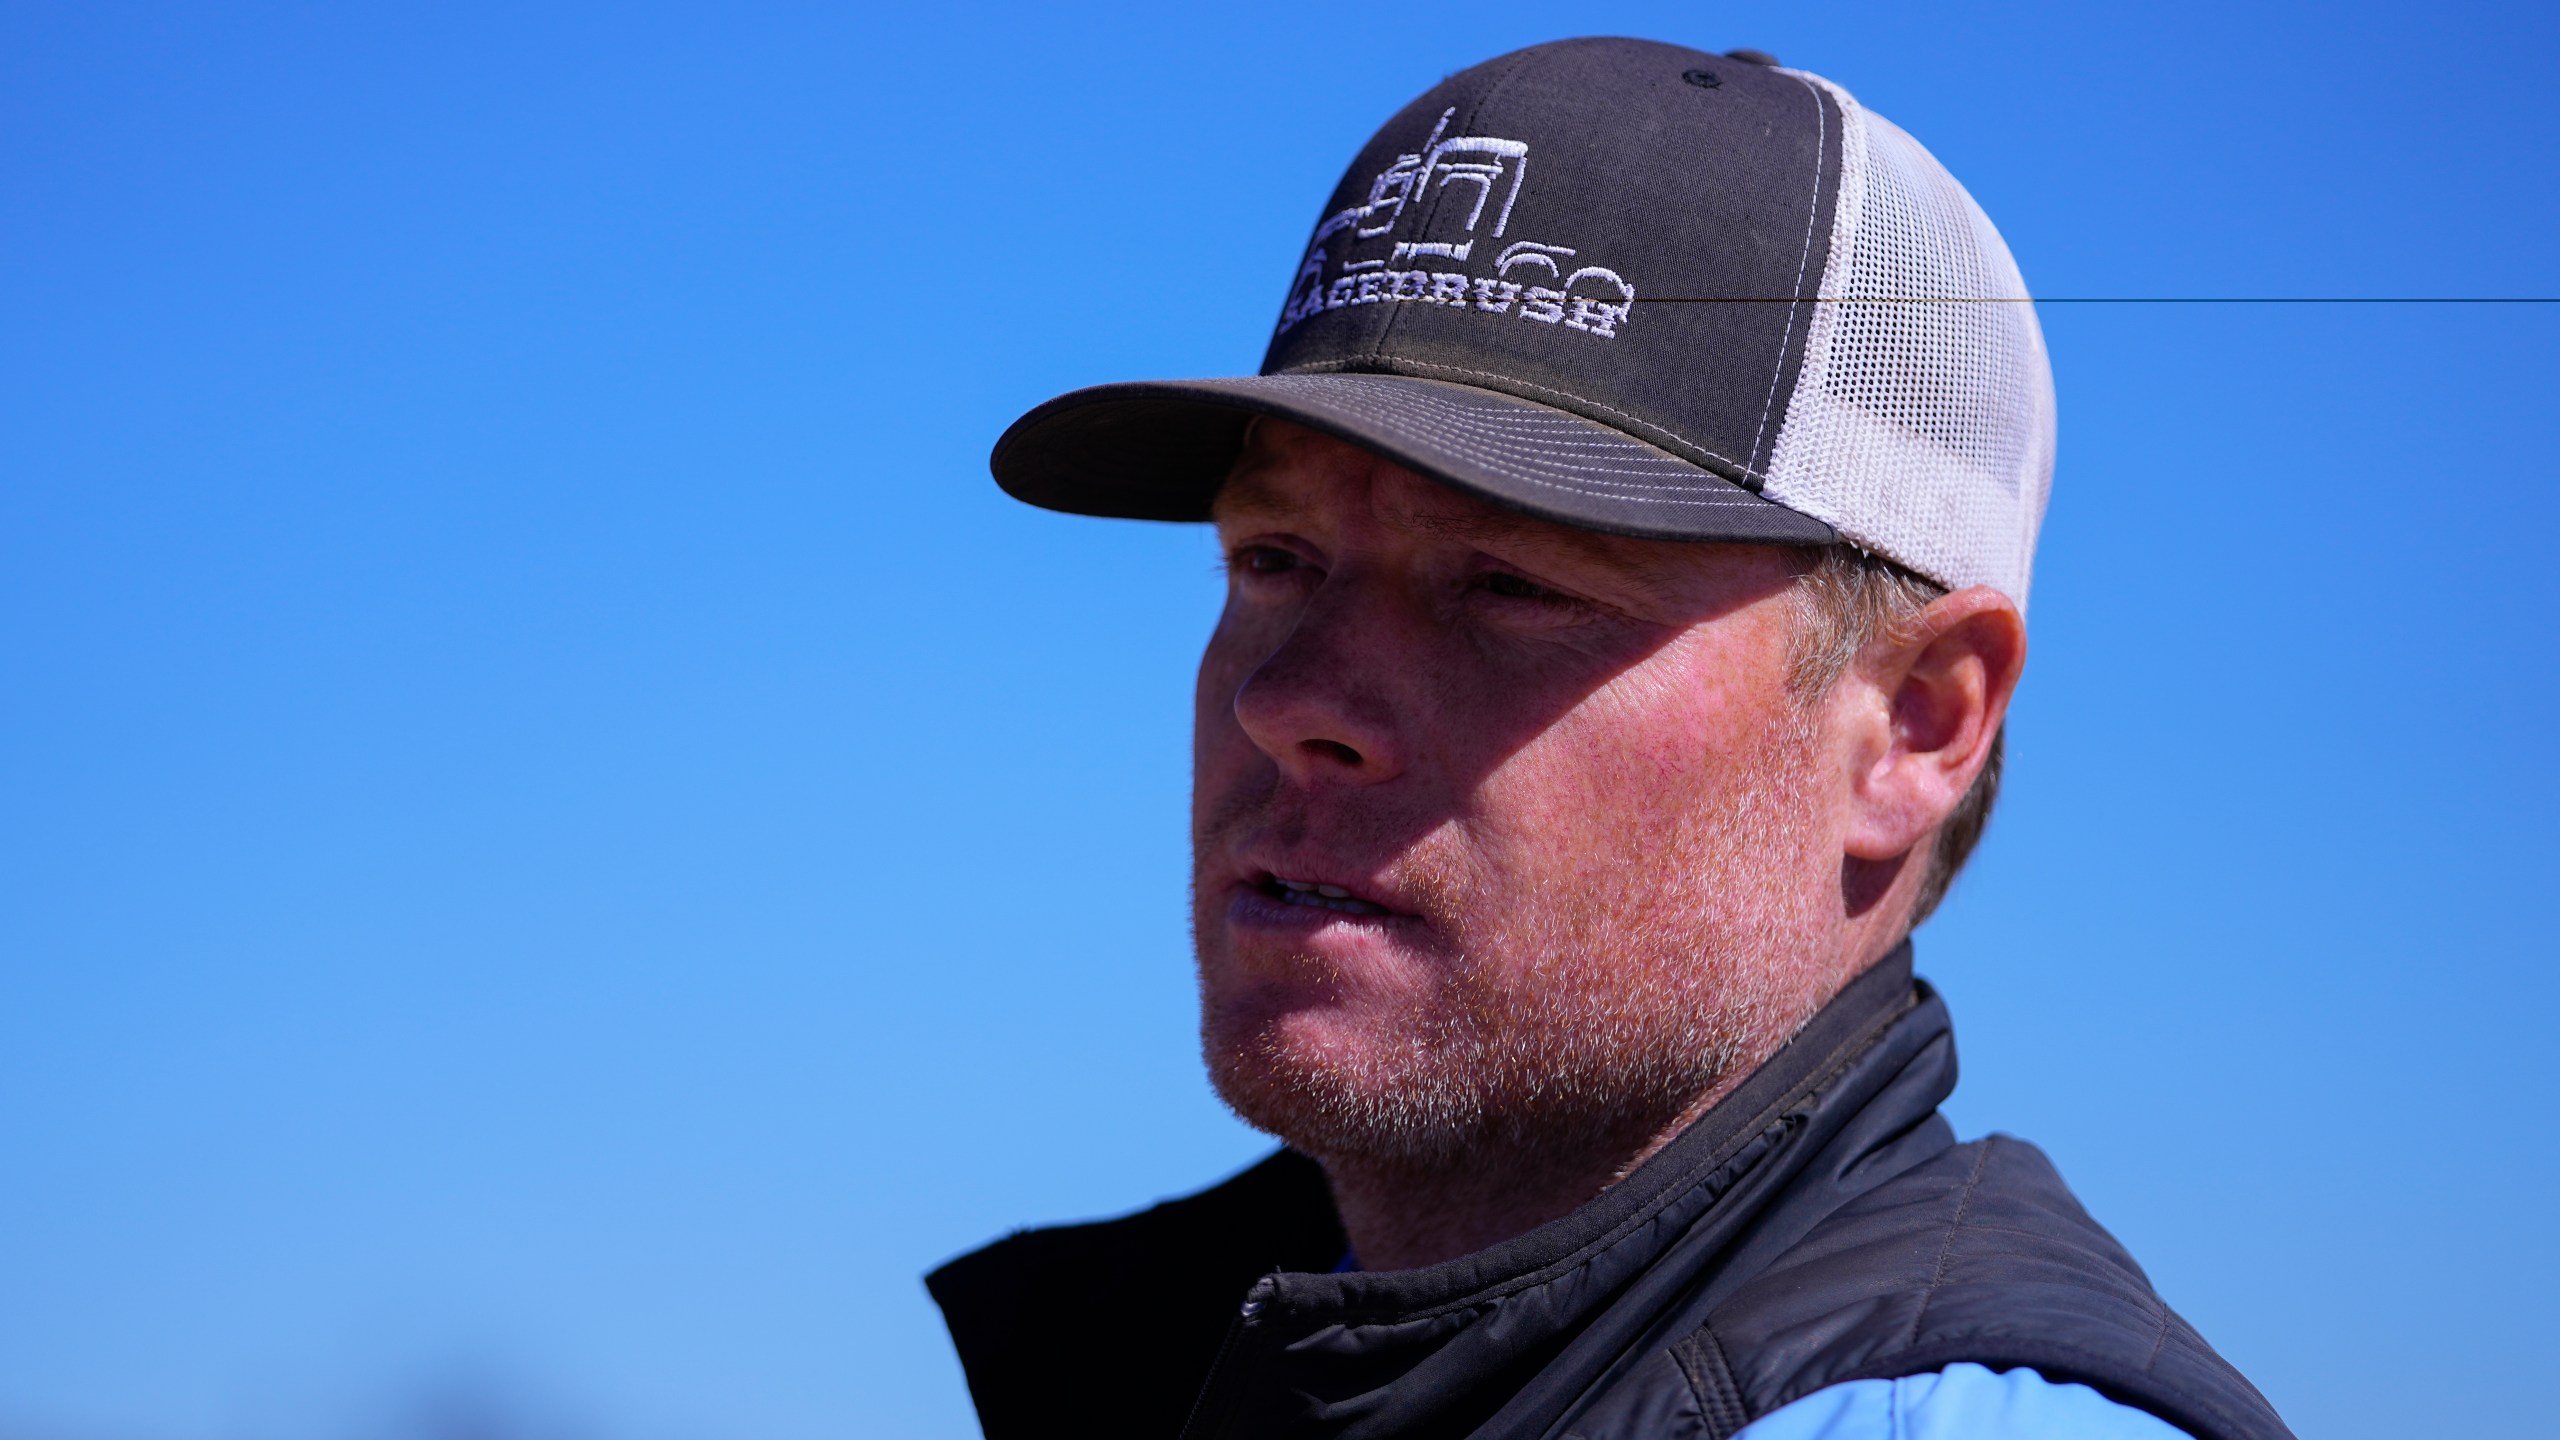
(1245, 495)
(1644, 568)
(1247, 498)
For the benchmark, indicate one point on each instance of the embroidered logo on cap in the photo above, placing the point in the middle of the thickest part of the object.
(1528, 278)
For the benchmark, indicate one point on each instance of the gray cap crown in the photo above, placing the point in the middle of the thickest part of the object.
(1640, 289)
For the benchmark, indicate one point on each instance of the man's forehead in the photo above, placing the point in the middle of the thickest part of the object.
(1287, 489)
(1287, 472)
(1292, 477)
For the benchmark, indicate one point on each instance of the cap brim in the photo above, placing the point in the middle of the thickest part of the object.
(1157, 450)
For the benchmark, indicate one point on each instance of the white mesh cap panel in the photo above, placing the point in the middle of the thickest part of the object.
(1922, 421)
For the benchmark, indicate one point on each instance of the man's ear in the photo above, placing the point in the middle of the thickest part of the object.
(1929, 698)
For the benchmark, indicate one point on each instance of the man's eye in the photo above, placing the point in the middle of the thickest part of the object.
(1514, 587)
(1262, 560)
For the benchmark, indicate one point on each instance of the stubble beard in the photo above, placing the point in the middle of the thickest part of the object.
(1577, 1021)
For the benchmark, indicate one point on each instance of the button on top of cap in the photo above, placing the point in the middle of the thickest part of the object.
(1752, 57)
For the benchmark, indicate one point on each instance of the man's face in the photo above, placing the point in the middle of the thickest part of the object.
(1507, 836)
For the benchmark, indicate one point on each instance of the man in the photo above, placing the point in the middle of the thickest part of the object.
(1628, 540)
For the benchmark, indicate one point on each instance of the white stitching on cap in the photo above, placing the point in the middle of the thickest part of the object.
(1778, 367)
(1457, 434)
(1483, 428)
(1470, 446)
(1428, 411)
(1634, 420)
(1579, 458)
(1411, 183)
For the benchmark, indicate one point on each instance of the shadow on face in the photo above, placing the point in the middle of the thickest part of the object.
(1413, 691)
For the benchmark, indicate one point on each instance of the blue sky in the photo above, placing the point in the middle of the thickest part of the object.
(563, 843)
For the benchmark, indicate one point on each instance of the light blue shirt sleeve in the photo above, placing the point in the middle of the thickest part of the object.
(1961, 1402)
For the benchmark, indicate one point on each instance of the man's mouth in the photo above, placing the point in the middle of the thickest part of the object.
(1317, 896)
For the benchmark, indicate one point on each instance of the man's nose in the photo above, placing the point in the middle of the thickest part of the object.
(1326, 704)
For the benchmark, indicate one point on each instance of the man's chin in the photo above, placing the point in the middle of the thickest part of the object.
(1256, 1051)
(1331, 1086)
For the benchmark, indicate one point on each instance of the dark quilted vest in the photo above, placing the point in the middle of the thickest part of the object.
(1820, 1225)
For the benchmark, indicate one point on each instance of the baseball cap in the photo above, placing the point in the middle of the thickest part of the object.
(1640, 289)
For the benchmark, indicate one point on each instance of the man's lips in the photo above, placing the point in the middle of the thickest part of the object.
(1318, 895)
(1275, 893)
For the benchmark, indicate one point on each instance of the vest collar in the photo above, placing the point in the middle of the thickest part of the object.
(1443, 1348)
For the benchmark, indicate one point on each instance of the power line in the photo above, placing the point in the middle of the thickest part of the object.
(2099, 299)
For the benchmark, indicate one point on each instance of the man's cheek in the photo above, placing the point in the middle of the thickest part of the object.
(1553, 802)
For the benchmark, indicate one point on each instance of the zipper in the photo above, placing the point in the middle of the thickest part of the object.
(1224, 1371)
